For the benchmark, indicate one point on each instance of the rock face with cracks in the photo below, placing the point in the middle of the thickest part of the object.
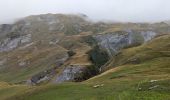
(114, 42)
(70, 73)
(9, 44)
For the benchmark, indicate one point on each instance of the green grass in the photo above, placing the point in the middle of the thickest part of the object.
(115, 88)
(12, 90)
(159, 47)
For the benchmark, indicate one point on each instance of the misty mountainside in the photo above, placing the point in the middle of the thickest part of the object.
(56, 56)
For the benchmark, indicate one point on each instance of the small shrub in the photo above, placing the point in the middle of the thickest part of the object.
(71, 53)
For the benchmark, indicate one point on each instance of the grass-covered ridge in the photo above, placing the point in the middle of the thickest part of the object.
(156, 48)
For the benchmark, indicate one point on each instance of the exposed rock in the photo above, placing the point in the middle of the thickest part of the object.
(29, 82)
(46, 78)
(153, 87)
(53, 42)
(133, 61)
(114, 42)
(48, 74)
(96, 86)
(41, 77)
(27, 45)
(26, 38)
(70, 73)
(153, 81)
(10, 44)
(22, 63)
(139, 89)
(148, 35)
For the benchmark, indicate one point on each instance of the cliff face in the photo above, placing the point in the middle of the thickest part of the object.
(70, 73)
(114, 42)
(12, 43)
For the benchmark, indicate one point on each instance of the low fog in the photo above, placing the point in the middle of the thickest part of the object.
(109, 10)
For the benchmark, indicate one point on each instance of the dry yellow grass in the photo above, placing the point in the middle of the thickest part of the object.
(81, 57)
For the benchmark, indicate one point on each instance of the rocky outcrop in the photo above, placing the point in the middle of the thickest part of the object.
(41, 77)
(70, 73)
(11, 43)
(48, 74)
(148, 35)
(76, 73)
(114, 42)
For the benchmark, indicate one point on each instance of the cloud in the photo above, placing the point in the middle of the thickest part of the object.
(116, 10)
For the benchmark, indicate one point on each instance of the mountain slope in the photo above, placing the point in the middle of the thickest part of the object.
(52, 56)
(145, 80)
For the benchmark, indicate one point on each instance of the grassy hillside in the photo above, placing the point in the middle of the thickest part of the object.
(139, 73)
(23, 64)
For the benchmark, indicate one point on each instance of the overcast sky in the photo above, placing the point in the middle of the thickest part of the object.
(116, 10)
